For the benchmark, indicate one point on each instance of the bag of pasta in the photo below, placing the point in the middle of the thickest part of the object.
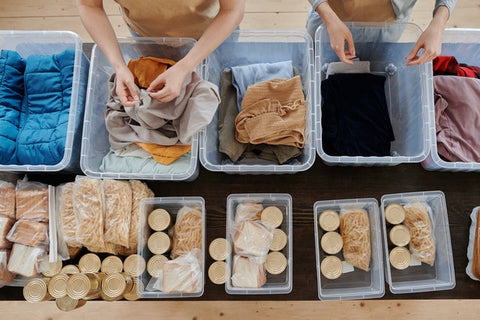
(355, 232)
(422, 243)
(187, 232)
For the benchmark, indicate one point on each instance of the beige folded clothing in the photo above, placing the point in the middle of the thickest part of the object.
(247, 274)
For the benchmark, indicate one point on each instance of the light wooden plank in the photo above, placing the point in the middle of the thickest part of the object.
(47, 8)
(232, 310)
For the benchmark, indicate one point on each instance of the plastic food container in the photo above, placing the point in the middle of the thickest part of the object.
(28, 43)
(356, 284)
(464, 45)
(421, 278)
(250, 47)
(406, 89)
(172, 205)
(95, 144)
(281, 283)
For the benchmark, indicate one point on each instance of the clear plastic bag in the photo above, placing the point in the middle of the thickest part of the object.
(184, 274)
(248, 211)
(355, 231)
(66, 225)
(252, 239)
(187, 232)
(118, 209)
(247, 273)
(5, 275)
(24, 259)
(29, 233)
(31, 201)
(88, 207)
(7, 199)
(422, 241)
(5, 225)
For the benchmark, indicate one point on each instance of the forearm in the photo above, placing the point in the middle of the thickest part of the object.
(224, 23)
(440, 18)
(316, 3)
(326, 13)
(448, 4)
(96, 22)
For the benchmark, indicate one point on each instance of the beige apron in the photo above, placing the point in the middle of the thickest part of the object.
(363, 10)
(168, 18)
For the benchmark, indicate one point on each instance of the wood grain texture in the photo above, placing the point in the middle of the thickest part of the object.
(240, 310)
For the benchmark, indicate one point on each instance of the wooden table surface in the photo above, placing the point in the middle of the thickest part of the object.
(322, 182)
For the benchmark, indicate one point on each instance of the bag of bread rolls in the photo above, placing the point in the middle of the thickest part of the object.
(184, 274)
(247, 273)
(29, 233)
(31, 200)
(252, 239)
(5, 225)
(24, 259)
(7, 199)
(248, 211)
(5, 275)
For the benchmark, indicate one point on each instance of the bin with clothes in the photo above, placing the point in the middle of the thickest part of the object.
(43, 81)
(455, 109)
(375, 111)
(264, 120)
(151, 140)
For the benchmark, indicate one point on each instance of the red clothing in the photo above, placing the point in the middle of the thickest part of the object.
(448, 65)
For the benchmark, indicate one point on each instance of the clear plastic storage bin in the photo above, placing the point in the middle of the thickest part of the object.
(95, 144)
(276, 284)
(250, 47)
(464, 44)
(172, 205)
(28, 43)
(406, 89)
(423, 277)
(356, 284)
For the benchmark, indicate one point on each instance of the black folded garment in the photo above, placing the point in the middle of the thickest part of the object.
(355, 117)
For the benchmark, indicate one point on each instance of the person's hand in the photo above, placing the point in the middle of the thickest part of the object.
(339, 35)
(431, 43)
(168, 85)
(430, 40)
(125, 88)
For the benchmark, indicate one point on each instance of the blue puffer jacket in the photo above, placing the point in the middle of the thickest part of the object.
(45, 108)
(12, 67)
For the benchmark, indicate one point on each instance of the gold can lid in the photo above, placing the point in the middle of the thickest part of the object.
(78, 286)
(70, 269)
(89, 263)
(134, 265)
(272, 215)
(219, 249)
(217, 272)
(276, 262)
(112, 264)
(279, 240)
(329, 220)
(67, 304)
(394, 213)
(35, 290)
(114, 285)
(159, 243)
(159, 219)
(133, 294)
(400, 258)
(51, 268)
(331, 242)
(155, 265)
(331, 267)
(400, 235)
(57, 286)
